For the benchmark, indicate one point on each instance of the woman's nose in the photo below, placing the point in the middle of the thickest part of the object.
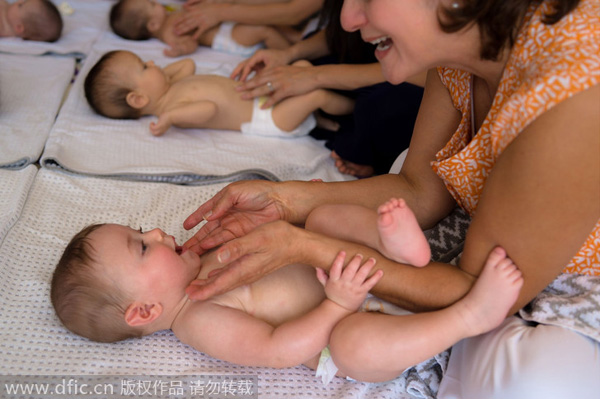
(352, 16)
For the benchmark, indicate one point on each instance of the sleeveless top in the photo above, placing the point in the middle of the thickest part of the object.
(547, 64)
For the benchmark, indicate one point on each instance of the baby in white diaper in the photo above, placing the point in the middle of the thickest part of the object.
(122, 86)
(146, 19)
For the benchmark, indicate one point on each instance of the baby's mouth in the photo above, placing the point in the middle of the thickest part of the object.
(180, 250)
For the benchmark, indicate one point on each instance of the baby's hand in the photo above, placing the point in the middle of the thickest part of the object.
(349, 287)
(159, 127)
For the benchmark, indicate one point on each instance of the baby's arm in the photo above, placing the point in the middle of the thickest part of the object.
(190, 115)
(180, 69)
(235, 336)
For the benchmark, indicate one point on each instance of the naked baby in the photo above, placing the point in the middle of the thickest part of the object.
(122, 86)
(114, 282)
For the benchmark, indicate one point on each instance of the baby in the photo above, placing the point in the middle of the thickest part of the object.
(145, 19)
(122, 86)
(37, 20)
(113, 282)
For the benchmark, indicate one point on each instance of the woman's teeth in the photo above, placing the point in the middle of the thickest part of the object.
(383, 43)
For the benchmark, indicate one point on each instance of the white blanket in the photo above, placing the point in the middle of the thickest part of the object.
(14, 187)
(84, 142)
(80, 30)
(32, 339)
(31, 91)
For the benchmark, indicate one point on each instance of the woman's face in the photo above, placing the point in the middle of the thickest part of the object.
(406, 33)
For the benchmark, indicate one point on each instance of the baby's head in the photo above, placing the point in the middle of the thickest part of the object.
(37, 20)
(137, 19)
(113, 282)
(120, 85)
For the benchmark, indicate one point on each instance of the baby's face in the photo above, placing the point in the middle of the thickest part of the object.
(149, 266)
(150, 9)
(146, 76)
(16, 12)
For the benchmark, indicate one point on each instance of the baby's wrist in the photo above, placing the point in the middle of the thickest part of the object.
(341, 306)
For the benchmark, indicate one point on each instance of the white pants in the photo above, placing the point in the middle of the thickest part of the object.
(517, 360)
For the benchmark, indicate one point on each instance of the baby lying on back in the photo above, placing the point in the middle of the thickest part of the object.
(37, 20)
(122, 86)
(146, 19)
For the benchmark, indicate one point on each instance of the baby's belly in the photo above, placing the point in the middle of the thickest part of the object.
(285, 294)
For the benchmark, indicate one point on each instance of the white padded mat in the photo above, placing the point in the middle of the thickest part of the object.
(80, 30)
(84, 142)
(31, 91)
(14, 187)
(32, 340)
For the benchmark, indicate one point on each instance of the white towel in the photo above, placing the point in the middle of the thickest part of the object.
(32, 339)
(14, 186)
(31, 91)
(84, 142)
(80, 30)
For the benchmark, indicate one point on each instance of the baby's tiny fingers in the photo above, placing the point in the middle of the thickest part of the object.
(336, 267)
(373, 280)
(365, 269)
(350, 270)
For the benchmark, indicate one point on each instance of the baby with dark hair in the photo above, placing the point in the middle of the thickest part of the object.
(146, 19)
(37, 20)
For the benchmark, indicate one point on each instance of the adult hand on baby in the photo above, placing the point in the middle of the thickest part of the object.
(196, 20)
(247, 259)
(261, 60)
(233, 212)
(286, 81)
(349, 286)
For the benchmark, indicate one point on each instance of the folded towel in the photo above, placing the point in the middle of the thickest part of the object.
(84, 142)
(81, 29)
(28, 106)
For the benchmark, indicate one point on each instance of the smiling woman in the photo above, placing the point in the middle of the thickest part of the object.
(483, 141)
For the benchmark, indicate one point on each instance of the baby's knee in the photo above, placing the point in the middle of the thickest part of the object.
(302, 63)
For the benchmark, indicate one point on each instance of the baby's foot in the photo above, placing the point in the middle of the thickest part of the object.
(400, 236)
(494, 292)
(351, 168)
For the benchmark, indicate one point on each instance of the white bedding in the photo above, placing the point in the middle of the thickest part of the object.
(32, 340)
(31, 91)
(14, 187)
(80, 30)
(84, 142)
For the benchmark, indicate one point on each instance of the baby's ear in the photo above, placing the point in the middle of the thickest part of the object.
(20, 29)
(153, 25)
(139, 314)
(137, 100)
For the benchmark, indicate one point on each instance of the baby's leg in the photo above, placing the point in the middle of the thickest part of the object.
(346, 222)
(400, 236)
(249, 35)
(377, 347)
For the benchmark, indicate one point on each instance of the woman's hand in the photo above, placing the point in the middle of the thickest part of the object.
(233, 212)
(248, 258)
(261, 60)
(197, 19)
(285, 81)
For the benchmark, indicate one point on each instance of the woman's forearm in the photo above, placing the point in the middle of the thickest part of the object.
(278, 13)
(348, 76)
(417, 289)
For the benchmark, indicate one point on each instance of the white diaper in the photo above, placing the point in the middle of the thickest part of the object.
(225, 43)
(262, 123)
(327, 368)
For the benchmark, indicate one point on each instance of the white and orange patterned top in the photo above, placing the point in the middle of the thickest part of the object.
(548, 64)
